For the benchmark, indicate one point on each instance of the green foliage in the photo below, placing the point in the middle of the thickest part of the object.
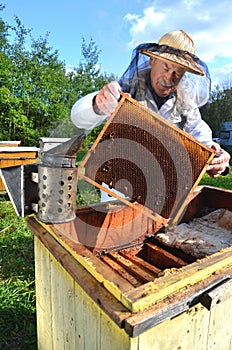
(91, 137)
(34, 89)
(86, 193)
(36, 92)
(219, 109)
(87, 77)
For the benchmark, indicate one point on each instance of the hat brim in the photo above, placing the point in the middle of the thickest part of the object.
(187, 62)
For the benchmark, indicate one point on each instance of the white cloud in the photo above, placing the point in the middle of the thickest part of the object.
(222, 76)
(143, 25)
(209, 24)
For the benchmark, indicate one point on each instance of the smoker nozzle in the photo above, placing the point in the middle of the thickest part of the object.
(63, 155)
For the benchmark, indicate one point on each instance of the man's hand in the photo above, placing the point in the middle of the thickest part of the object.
(107, 98)
(220, 163)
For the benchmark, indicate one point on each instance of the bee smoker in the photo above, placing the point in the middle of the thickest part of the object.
(57, 182)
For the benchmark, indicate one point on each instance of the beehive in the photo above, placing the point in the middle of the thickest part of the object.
(14, 155)
(103, 280)
(131, 298)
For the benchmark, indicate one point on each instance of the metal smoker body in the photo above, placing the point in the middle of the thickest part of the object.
(57, 182)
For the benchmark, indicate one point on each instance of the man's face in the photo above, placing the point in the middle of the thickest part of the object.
(165, 76)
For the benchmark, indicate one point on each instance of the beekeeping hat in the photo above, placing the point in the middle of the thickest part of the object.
(178, 48)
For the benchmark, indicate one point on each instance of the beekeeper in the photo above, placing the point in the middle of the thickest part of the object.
(168, 78)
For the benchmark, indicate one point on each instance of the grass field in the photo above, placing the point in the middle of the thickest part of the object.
(220, 181)
(17, 289)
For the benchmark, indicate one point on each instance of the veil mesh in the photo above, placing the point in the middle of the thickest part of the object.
(196, 87)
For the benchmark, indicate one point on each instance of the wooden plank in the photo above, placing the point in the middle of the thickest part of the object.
(219, 331)
(68, 302)
(173, 305)
(62, 302)
(93, 288)
(218, 295)
(9, 143)
(57, 306)
(79, 312)
(101, 272)
(161, 258)
(131, 254)
(187, 331)
(17, 155)
(43, 296)
(135, 270)
(121, 271)
(91, 324)
(150, 293)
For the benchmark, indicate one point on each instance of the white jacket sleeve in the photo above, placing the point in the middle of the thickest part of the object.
(83, 115)
(198, 128)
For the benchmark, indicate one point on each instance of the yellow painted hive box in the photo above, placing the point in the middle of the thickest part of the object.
(147, 272)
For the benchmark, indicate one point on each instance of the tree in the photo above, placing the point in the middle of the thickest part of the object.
(34, 88)
(88, 77)
(36, 92)
(220, 109)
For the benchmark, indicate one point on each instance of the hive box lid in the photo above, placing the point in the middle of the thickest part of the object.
(148, 160)
(12, 149)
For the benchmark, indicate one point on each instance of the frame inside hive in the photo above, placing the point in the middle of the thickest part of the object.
(150, 161)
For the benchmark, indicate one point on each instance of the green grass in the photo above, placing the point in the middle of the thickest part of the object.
(17, 289)
(220, 181)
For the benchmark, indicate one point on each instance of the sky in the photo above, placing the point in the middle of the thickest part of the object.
(117, 26)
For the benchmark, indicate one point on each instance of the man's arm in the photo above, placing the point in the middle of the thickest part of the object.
(202, 132)
(92, 110)
(83, 114)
